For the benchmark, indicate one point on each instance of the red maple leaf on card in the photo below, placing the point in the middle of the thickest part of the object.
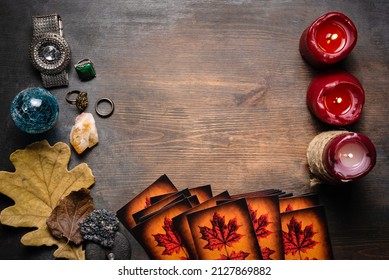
(297, 240)
(234, 256)
(148, 202)
(266, 252)
(171, 240)
(260, 224)
(288, 208)
(222, 235)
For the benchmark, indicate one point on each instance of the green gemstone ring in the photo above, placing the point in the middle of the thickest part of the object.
(85, 69)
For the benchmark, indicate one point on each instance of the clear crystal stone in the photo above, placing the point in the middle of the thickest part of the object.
(50, 53)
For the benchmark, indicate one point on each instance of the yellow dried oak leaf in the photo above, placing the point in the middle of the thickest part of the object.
(41, 179)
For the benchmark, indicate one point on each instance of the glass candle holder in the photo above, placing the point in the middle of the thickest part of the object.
(336, 98)
(34, 110)
(340, 156)
(328, 40)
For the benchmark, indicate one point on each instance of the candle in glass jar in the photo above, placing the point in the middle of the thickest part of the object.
(336, 98)
(329, 39)
(340, 156)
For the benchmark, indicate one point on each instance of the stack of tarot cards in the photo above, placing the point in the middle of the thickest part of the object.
(193, 223)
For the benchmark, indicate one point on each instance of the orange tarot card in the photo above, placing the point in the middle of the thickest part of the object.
(203, 193)
(160, 186)
(158, 236)
(265, 215)
(181, 224)
(305, 234)
(172, 197)
(224, 232)
(298, 202)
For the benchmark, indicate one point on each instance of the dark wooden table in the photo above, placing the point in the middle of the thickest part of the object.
(207, 92)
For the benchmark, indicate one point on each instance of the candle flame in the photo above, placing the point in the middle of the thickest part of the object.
(338, 100)
(350, 155)
(331, 37)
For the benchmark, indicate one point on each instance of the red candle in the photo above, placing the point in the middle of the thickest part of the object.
(341, 156)
(336, 98)
(329, 39)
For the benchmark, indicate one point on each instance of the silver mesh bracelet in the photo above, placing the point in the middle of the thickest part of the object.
(60, 79)
(50, 24)
(47, 24)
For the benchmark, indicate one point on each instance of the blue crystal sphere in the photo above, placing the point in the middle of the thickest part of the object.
(34, 110)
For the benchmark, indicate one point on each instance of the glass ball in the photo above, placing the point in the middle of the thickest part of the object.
(34, 110)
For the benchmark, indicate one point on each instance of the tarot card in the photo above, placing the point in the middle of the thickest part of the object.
(158, 236)
(224, 232)
(157, 198)
(265, 215)
(203, 193)
(181, 224)
(142, 200)
(305, 234)
(298, 202)
(192, 200)
(172, 197)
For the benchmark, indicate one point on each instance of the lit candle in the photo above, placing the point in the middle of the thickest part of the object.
(329, 39)
(340, 156)
(336, 98)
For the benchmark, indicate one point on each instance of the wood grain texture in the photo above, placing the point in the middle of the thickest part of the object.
(207, 92)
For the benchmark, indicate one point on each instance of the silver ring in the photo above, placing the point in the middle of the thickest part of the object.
(104, 114)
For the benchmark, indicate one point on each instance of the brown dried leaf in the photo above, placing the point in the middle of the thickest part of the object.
(70, 211)
(40, 180)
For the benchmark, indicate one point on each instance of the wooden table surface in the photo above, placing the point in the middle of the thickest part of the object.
(206, 92)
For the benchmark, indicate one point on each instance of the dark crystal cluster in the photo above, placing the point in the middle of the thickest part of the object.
(100, 226)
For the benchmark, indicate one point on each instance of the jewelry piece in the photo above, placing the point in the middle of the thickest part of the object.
(81, 100)
(85, 69)
(104, 114)
(49, 51)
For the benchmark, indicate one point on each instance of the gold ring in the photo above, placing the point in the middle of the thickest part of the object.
(104, 113)
(81, 100)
